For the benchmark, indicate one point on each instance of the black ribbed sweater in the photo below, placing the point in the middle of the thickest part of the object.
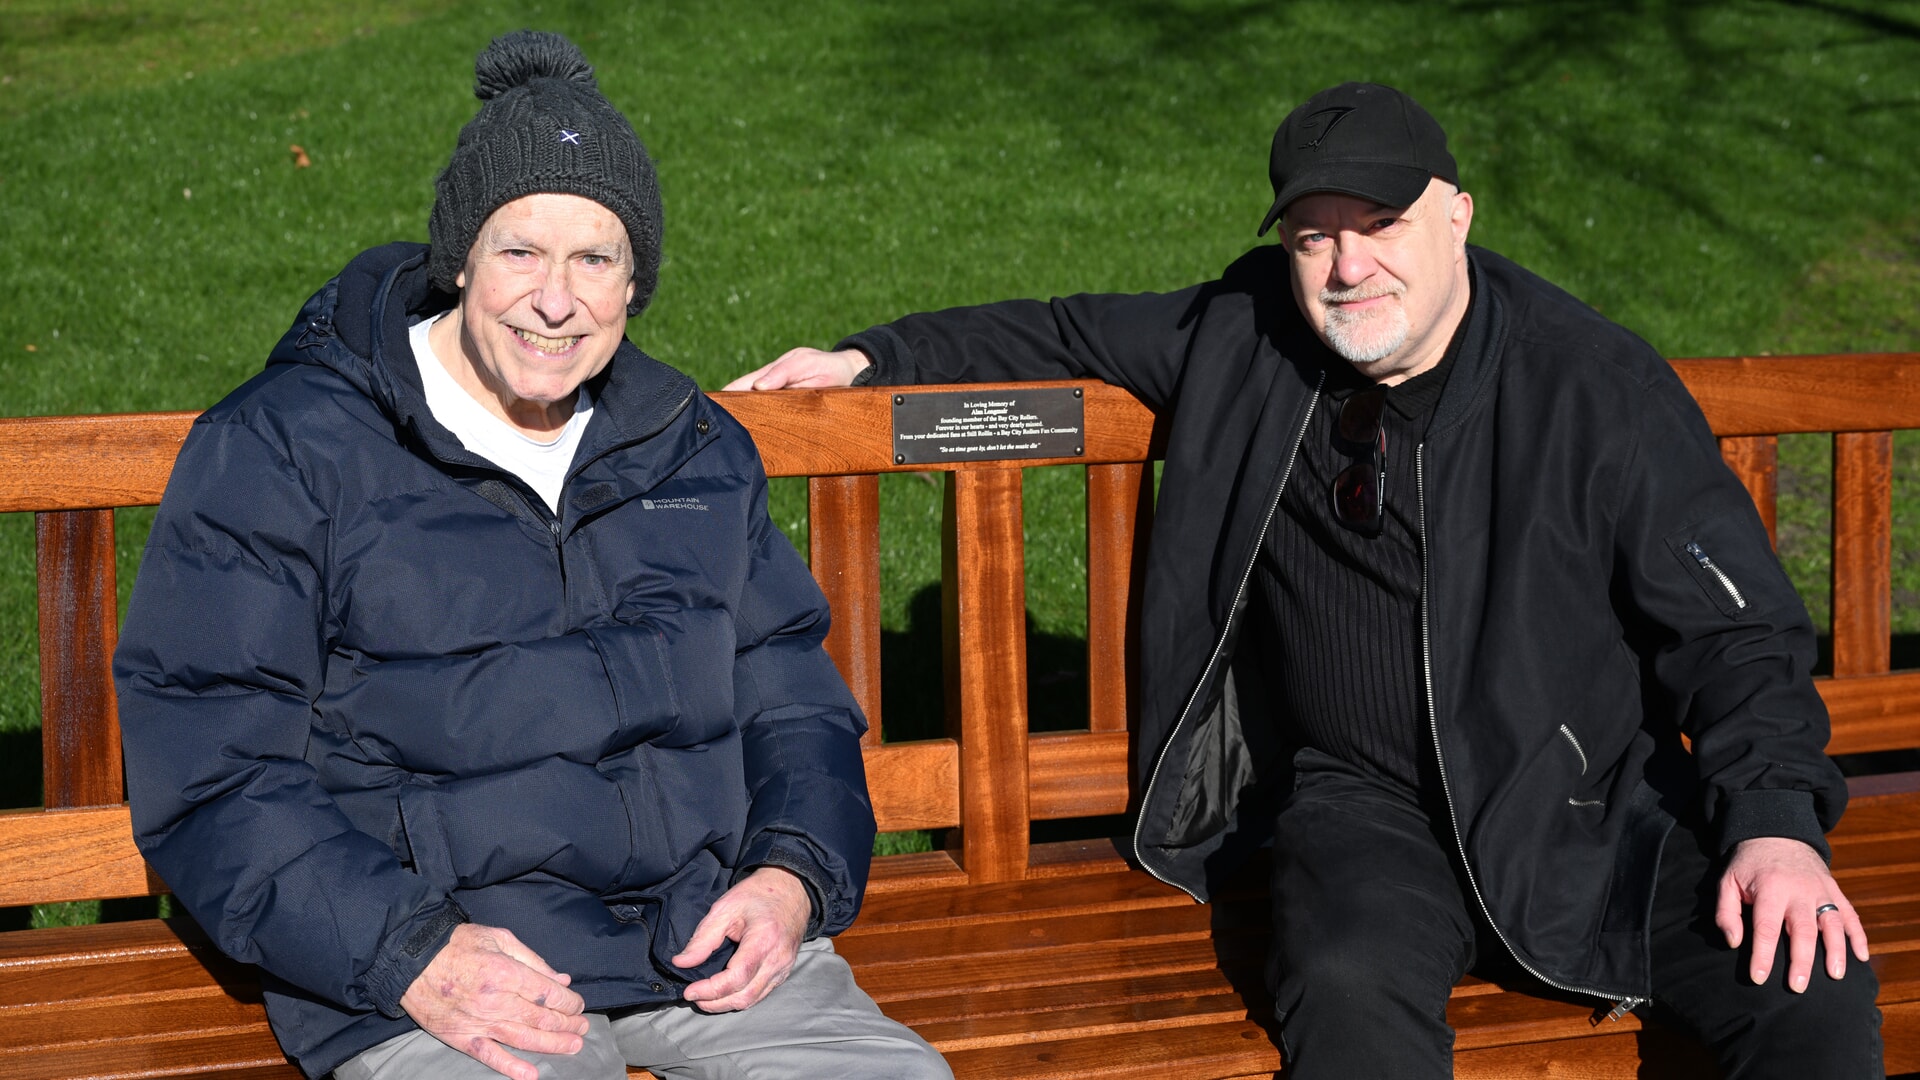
(1342, 611)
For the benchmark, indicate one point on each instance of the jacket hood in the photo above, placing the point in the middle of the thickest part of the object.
(357, 324)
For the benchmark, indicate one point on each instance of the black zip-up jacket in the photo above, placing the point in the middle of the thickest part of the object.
(1597, 582)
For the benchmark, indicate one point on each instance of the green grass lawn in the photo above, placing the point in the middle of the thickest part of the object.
(1723, 178)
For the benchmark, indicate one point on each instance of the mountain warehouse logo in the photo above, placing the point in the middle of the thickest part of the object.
(688, 503)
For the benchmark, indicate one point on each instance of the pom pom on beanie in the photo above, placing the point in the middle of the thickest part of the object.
(517, 59)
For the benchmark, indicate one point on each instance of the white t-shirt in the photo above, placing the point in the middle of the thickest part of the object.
(543, 465)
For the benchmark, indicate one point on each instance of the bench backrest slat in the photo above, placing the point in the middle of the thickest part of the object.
(843, 541)
(1755, 459)
(1119, 520)
(984, 633)
(79, 725)
(988, 778)
(1862, 552)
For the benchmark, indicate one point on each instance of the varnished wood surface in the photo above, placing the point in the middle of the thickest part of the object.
(984, 612)
(1862, 552)
(1872, 712)
(87, 462)
(843, 540)
(1755, 459)
(1119, 520)
(914, 785)
(79, 625)
(1779, 395)
(58, 855)
(1077, 774)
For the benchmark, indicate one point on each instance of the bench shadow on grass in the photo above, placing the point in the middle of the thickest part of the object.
(913, 696)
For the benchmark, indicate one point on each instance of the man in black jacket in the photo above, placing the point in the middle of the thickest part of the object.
(1447, 565)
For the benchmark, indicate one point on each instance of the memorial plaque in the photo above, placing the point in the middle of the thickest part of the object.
(967, 425)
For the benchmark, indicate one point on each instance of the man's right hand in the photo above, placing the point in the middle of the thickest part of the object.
(804, 369)
(485, 991)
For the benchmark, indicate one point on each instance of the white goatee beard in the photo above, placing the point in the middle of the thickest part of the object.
(1364, 337)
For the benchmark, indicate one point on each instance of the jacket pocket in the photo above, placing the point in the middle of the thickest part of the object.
(1731, 564)
(1572, 742)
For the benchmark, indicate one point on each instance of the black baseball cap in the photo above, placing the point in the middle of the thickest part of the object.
(1359, 139)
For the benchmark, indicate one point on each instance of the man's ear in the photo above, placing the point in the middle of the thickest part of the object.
(460, 279)
(1460, 216)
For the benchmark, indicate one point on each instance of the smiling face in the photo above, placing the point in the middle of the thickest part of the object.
(543, 306)
(1384, 287)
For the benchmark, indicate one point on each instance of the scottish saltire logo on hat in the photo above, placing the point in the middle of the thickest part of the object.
(569, 136)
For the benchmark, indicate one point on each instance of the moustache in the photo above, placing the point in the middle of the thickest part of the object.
(1361, 292)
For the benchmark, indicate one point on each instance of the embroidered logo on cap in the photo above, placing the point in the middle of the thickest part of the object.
(1333, 115)
(569, 136)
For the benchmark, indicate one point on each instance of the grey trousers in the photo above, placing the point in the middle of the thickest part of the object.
(817, 1023)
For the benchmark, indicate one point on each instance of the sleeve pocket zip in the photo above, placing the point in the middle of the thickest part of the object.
(1706, 563)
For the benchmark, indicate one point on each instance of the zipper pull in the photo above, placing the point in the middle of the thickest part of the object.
(1620, 1009)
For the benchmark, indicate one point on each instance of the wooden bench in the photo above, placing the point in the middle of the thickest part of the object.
(1016, 958)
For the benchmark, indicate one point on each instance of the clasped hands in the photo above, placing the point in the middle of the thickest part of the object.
(485, 992)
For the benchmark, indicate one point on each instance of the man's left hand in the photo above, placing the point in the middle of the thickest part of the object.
(1785, 881)
(767, 914)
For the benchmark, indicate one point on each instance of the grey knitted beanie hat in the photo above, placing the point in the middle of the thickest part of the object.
(543, 127)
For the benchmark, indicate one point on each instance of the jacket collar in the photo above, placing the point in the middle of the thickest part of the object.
(1478, 361)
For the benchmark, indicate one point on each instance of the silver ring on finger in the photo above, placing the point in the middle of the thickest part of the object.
(1824, 908)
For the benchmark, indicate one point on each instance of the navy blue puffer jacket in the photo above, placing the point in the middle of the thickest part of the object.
(369, 682)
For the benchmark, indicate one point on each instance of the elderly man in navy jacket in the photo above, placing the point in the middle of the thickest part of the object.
(1446, 565)
(468, 690)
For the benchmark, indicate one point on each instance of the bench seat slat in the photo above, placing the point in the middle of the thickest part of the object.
(141, 1017)
(1228, 1049)
(1628, 1054)
(1027, 1000)
(1079, 894)
(938, 976)
(216, 1050)
(1126, 1019)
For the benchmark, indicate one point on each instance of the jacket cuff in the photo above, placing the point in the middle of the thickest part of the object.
(892, 361)
(811, 876)
(401, 962)
(1779, 812)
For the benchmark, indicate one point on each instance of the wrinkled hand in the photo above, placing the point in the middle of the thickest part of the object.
(804, 369)
(1785, 880)
(484, 991)
(767, 914)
